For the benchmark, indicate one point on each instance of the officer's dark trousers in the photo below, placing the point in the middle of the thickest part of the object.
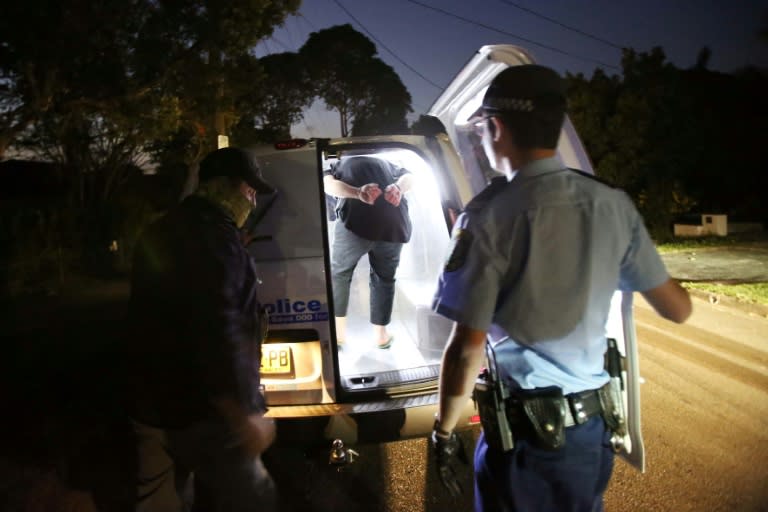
(528, 479)
(383, 257)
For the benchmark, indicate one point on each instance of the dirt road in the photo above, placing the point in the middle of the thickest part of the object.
(705, 414)
(705, 425)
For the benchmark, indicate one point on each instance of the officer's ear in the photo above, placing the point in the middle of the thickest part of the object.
(495, 127)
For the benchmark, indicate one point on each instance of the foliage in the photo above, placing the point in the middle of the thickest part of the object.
(348, 76)
(98, 85)
(388, 104)
(269, 112)
(35, 250)
(206, 64)
(677, 140)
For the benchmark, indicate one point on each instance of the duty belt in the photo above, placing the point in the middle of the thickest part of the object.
(579, 408)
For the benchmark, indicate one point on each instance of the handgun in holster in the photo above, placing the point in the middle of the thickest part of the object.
(611, 397)
(490, 396)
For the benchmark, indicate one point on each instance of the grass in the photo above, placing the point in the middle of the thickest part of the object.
(707, 242)
(751, 293)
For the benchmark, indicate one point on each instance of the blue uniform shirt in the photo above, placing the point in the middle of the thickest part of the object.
(536, 261)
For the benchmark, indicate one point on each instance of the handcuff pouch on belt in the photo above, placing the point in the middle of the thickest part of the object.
(544, 410)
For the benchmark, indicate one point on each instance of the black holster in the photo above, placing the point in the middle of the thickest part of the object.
(613, 410)
(489, 400)
(541, 412)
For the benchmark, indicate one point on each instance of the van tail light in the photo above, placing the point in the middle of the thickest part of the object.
(474, 420)
(291, 144)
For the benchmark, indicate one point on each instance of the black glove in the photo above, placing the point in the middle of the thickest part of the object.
(447, 452)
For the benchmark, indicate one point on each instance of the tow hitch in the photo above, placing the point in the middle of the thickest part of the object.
(341, 455)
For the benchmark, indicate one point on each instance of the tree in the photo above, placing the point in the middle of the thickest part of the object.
(632, 128)
(268, 112)
(164, 66)
(96, 84)
(342, 64)
(206, 63)
(388, 105)
(676, 139)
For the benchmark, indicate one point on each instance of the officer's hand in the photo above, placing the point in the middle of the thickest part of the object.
(252, 432)
(256, 434)
(448, 452)
(369, 192)
(393, 194)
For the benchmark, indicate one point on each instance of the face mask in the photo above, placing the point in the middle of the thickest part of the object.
(221, 192)
(240, 208)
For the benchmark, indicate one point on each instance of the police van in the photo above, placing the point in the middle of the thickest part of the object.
(361, 393)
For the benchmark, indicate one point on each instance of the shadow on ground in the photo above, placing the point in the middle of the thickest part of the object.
(66, 443)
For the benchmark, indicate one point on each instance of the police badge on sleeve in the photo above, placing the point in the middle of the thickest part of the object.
(460, 243)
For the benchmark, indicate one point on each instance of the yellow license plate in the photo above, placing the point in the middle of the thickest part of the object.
(276, 359)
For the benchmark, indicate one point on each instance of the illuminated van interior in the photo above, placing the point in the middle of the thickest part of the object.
(419, 334)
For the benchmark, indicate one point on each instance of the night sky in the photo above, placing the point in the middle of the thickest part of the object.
(577, 36)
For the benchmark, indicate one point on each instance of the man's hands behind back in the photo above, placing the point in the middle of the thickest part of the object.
(369, 192)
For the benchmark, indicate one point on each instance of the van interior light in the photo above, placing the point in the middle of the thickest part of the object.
(291, 144)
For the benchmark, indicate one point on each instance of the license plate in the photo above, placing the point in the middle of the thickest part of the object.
(276, 359)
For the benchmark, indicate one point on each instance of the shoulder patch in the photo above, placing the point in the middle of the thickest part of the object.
(460, 243)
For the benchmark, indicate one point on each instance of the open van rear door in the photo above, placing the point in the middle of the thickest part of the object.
(453, 108)
(361, 392)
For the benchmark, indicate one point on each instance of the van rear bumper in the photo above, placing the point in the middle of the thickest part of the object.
(362, 422)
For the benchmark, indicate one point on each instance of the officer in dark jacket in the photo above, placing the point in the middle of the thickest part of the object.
(196, 348)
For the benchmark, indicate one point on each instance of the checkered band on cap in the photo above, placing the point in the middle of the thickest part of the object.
(515, 104)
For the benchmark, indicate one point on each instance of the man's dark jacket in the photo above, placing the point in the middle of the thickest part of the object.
(193, 318)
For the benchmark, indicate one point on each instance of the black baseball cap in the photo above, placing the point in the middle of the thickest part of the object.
(234, 163)
(528, 88)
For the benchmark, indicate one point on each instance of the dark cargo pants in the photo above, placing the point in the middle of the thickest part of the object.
(383, 257)
(527, 478)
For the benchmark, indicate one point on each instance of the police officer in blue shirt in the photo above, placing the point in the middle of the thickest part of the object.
(536, 259)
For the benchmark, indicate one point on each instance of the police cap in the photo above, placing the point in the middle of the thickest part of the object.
(528, 88)
(234, 163)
